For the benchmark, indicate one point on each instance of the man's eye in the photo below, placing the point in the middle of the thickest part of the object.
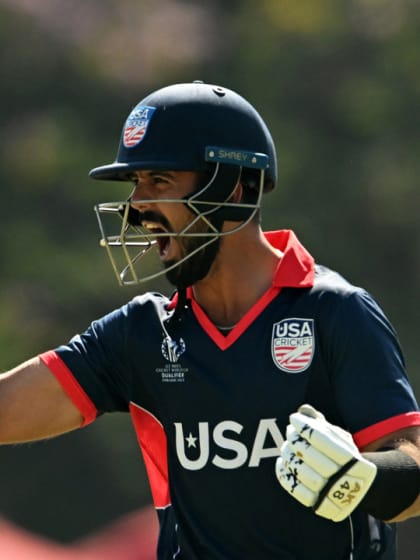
(159, 179)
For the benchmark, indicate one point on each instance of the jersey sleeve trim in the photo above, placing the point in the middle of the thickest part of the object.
(385, 427)
(153, 444)
(70, 385)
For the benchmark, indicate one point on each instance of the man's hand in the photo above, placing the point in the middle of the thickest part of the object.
(321, 467)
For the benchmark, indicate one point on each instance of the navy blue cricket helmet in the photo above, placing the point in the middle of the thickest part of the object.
(173, 127)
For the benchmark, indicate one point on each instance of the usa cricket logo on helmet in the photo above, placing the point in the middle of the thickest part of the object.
(136, 125)
(293, 344)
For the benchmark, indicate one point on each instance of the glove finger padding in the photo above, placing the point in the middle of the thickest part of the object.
(288, 479)
(292, 461)
(336, 444)
(321, 467)
(310, 455)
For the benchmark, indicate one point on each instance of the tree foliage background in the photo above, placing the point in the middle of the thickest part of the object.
(337, 81)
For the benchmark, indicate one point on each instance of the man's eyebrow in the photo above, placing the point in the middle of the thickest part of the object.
(161, 172)
(153, 172)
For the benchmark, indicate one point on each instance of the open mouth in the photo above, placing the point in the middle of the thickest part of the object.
(163, 241)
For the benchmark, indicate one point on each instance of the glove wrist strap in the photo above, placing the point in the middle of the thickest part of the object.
(332, 481)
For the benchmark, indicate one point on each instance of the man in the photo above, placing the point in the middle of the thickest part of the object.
(255, 387)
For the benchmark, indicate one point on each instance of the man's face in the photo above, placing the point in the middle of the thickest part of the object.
(150, 197)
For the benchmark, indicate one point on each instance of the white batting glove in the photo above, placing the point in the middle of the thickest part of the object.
(321, 467)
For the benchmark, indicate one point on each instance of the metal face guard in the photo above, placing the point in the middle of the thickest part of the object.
(131, 244)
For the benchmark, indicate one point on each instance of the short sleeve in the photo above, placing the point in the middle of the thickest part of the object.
(367, 368)
(97, 359)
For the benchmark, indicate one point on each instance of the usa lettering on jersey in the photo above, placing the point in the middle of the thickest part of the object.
(293, 344)
(196, 450)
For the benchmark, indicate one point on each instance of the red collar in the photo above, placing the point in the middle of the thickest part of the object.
(295, 269)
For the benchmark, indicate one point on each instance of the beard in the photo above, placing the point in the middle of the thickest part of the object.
(196, 267)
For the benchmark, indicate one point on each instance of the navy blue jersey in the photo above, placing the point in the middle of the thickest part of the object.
(210, 410)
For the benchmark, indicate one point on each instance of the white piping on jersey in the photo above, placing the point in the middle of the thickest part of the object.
(229, 328)
(351, 557)
(161, 508)
(179, 546)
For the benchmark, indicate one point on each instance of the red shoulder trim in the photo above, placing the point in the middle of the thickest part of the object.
(385, 427)
(70, 385)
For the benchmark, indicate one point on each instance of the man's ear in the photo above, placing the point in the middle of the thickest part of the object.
(237, 193)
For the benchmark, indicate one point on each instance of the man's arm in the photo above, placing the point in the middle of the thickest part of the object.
(33, 405)
(406, 440)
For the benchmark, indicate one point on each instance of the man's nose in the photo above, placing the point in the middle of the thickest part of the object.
(139, 198)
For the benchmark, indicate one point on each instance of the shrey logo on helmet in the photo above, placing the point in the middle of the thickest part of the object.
(293, 344)
(136, 125)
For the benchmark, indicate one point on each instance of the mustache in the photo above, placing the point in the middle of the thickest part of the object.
(138, 217)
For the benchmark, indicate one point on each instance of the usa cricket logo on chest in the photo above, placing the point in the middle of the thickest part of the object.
(293, 344)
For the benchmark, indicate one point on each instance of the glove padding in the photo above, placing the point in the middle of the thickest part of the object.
(321, 467)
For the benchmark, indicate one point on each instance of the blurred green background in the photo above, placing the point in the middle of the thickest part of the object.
(338, 82)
